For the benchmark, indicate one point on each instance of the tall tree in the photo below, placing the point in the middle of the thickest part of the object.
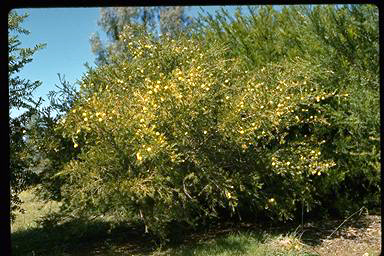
(20, 96)
(156, 20)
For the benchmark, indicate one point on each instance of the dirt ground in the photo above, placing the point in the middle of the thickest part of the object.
(360, 236)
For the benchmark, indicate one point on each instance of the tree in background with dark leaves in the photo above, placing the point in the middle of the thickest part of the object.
(20, 97)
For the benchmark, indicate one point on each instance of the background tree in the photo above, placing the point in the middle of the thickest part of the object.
(20, 97)
(156, 20)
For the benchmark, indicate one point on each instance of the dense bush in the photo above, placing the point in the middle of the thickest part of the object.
(183, 130)
(342, 40)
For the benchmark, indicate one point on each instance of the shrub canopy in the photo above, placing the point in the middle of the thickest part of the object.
(186, 129)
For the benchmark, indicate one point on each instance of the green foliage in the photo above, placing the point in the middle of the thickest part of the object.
(20, 90)
(351, 39)
(344, 41)
(20, 97)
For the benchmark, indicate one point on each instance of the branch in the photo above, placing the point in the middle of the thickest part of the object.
(360, 211)
(185, 190)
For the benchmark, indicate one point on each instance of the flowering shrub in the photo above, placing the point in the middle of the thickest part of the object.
(174, 130)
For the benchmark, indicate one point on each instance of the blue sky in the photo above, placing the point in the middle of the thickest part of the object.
(66, 31)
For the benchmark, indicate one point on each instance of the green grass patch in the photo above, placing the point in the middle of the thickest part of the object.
(241, 243)
(34, 210)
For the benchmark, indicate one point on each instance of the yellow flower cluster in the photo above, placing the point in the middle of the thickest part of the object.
(303, 159)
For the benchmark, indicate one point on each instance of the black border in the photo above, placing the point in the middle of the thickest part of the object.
(8, 5)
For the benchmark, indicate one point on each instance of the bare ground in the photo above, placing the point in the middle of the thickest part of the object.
(360, 236)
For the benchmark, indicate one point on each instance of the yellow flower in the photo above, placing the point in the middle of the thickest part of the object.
(100, 119)
(138, 156)
(75, 145)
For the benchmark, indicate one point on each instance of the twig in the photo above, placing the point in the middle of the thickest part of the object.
(142, 217)
(185, 190)
(302, 213)
(360, 210)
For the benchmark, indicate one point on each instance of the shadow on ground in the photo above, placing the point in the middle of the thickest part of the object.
(80, 237)
(314, 233)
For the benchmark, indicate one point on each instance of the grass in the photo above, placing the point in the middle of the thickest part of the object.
(100, 237)
(35, 209)
(241, 243)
